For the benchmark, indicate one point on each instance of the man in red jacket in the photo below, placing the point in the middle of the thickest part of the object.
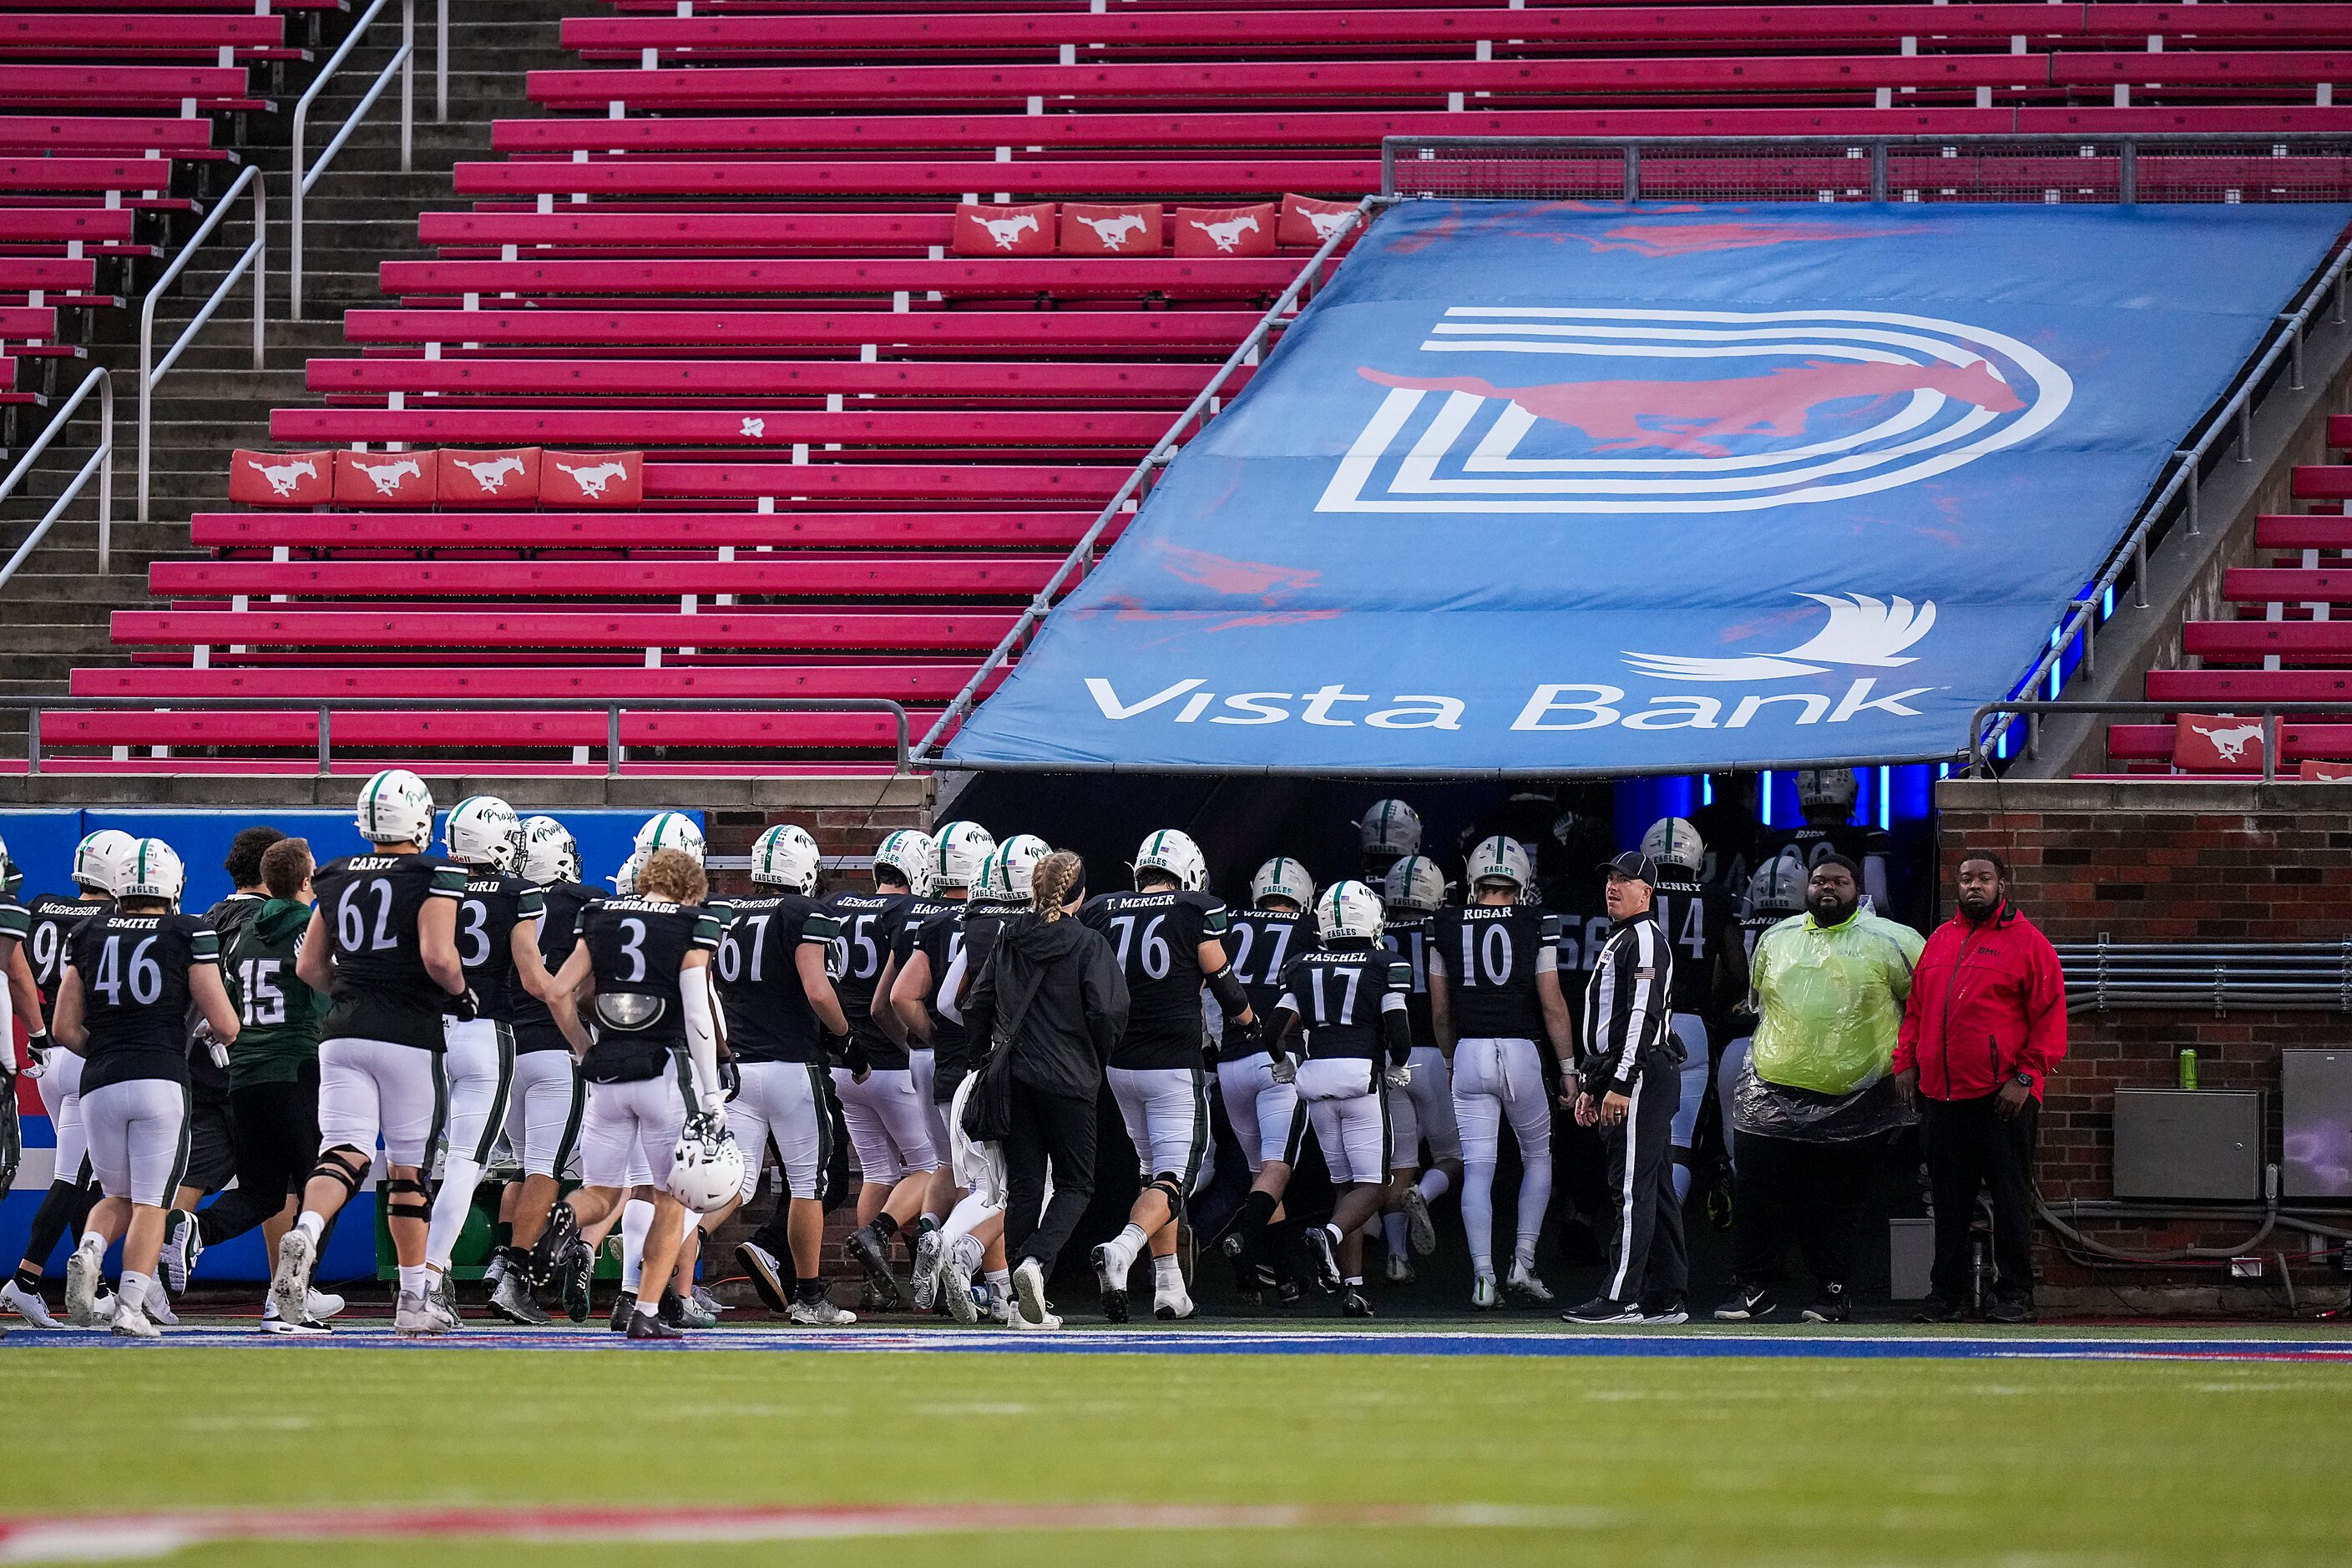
(1985, 1022)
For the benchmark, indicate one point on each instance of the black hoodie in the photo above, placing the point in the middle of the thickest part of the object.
(1076, 1006)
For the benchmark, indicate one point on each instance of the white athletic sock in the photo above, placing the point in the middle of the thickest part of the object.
(412, 1279)
(311, 1224)
(1353, 1282)
(1167, 1270)
(999, 1282)
(1434, 1183)
(1393, 1231)
(1338, 1237)
(1478, 1214)
(636, 1219)
(155, 1294)
(1131, 1240)
(133, 1288)
(647, 1306)
(451, 1204)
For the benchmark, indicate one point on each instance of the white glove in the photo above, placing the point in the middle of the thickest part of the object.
(1398, 1076)
(204, 1036)
(39, 1048)
(1285, 1069)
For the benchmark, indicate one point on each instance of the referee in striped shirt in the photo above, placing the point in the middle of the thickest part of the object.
(1629, 1077)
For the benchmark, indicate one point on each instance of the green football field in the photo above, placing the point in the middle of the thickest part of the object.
(1715, 1460)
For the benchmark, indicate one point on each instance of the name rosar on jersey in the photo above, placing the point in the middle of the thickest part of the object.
(635, 949)
(370, 904)
(1695, 918)
(1158, 938)
(1259, 944)
(558, 931)
(495, 903)
(863, 926)
(134, 983)
(1490, 956)
(49, 921)
(769, 1018)
(1340, 993)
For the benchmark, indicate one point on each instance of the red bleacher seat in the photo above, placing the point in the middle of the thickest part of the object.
(1035, 331)
(127, 87)
(817, 628)
(777, 428)
(964, 277)
(130, 35)
(796, 576)
(571, 379)
(1134, 178)
(379, 533)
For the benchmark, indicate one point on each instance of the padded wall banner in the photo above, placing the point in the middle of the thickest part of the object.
(1544, 486)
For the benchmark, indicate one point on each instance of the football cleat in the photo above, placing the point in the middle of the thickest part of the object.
(1031, 1309)
(930, 1252)
(512, 1300)
(1399, 1269)
(760, 1266)
(624, 1307)
(1171, 1302)
(549, 1252)
(1523, 1283)
(1355, 1305)
(182, 1246)
(684, 1312)
(1000, 1310)
(132, 1322)
(1421, 1230)
(873, 1255)
(158, 1306)
(441, 1297)
(413, 1317)
(1112, 1263)
(820, 1313)
(649, 1326)
(289, 1287)
(27, 1305)
(1483, 1294)
(82, 1282)
(579, 1274)
(1325, 1253)
(955, 1287)
(707, 1302)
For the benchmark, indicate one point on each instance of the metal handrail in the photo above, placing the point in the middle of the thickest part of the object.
(404, 60)
(2105, 976)
(1978, 764)
(34, 707)
(101, 460)
(1162, 453)
(441, 65)
(256, 256)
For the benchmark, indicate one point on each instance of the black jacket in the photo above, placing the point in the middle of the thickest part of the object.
(1074, 1012)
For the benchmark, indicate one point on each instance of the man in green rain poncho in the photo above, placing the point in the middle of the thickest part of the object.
(1813, 1108)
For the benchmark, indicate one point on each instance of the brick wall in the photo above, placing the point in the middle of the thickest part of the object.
(847, 816)
(2165, 862)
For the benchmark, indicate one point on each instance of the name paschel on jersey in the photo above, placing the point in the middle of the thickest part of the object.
(495, 903)
(1259, 944)
(864, 924)
(50, 921)
(769, 1018)
(558, 931)
(1695, 918)
(636, 948)
(134, 986)
(1490, 957)
(1409, 940)
(1340, 995)
(1157, 938)
(369, 904)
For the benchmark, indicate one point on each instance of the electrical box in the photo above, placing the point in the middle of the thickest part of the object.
(1910, 1258)
(2315, 1104)
(2189, 1143)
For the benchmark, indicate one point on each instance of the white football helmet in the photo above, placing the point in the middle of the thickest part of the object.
(1392, 827)
(1828, 786)
(102, 858)
(12, 875)
(549, 853)
(1172, 851)
(1673, 841)
(483, 830)
(1283, 877)
(786, 857)
(1415, 884)
(908, 853)
(1006, 874)
(625, 880)
(671, 830)
(959, 849)
(706, 1167)
(395, 808)
(1501, 858)
(1779, 887)
(1348, 909)
(152, 871)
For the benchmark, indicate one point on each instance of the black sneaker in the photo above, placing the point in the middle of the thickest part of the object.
(1601, 1310)
(2014, 1311)
(1354, 1304)
(1936, 1309)
(1749, 1304)
(624, 1307)
(645, 1326)
(1832, 1306)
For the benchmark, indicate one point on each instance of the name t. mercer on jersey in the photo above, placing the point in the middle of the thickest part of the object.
(1549, 706)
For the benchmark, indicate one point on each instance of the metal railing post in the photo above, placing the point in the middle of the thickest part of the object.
(613, 741)
(105, 472)
(326, 746)
(100, 464)
(441, 65)
(407, 79)
(260, 270)
(305, 177)
(147, 370)
(33, 738)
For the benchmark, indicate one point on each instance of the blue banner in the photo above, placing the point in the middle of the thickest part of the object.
(1555, 487)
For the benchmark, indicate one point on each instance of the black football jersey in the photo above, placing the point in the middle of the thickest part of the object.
(1813, 844)
(1340, 993)
(1697, 919)
(1259, 944)
(134, 986)
(495, 903)
(1490, 956)
(371, 904)
(864, 924)
(908, 919)
(637, 947)
(981, 923)
(941, 941)
(1158, 938)
(50, 921)
(1408, 941)
(558, 931)
(769, 1018)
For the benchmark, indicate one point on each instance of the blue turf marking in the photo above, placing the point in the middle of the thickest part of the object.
(1248, 1341)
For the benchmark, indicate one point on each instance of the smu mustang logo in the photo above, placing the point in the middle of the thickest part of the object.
(1532, 409)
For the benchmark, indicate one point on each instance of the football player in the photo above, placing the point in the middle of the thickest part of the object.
(1494, 987)
(780, 1009)
(1169, 937)
(1827, 797)
(14, 923)
(1695, 917)
(498, 947)
(1390, 830)
(133, 973)
(1424, 1111)
(1344, 1003)
(653, 1068)
(99, 863)
(1277, 927)
(384, 942)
